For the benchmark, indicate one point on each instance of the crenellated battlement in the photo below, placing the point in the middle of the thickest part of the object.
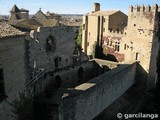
(143, 8)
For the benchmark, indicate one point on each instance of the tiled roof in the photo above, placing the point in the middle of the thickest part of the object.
(28, 24)
(40, 15)
(106, 13)
(7, 30)
(24, 10)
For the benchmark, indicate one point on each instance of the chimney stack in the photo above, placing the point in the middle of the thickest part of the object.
(96, 7)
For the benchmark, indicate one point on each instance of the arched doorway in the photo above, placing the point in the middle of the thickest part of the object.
(57, 81)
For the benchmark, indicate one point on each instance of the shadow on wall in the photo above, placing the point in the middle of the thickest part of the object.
(80, 74)
(141, 75)
(158, 70)
(99, 54)
(98, 70)
(124, 71)
(53, 86)
(109, 57)
(131, 101)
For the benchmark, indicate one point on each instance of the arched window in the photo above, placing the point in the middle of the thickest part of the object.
(50, 44)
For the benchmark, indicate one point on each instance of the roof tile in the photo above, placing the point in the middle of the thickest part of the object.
(7, 30)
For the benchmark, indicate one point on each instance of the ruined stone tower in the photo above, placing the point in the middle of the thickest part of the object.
(142, 34)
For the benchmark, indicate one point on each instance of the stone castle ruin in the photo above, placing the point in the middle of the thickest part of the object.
(64, 82)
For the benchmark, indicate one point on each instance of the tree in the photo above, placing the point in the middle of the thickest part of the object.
(22, 107)
(79, 38)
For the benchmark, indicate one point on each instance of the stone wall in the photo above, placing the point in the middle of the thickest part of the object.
(69, 76)
(52, 47)
(12, 61)
(89, 99)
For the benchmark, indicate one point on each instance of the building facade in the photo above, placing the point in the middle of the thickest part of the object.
(12, 67)
(123, 38)
(97, 24)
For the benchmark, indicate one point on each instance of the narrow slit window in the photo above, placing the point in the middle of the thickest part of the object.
(137, 56)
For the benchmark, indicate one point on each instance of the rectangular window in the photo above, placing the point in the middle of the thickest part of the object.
(87, 43)
(107, 43)
(117, 30)
(125, 46)
(83, 26)
(137, 56)
(118, 48)
(111, 43)
(104, 20)
(103, 29)
(2, 91)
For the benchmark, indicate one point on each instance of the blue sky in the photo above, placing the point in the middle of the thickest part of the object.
(70, 6)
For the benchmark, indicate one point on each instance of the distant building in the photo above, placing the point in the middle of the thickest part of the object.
(12, 67)
(53, 16)
(19, 18)
(48, 19)
(17, 14)
(1, 18)
(40, 15)
(118, 37)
